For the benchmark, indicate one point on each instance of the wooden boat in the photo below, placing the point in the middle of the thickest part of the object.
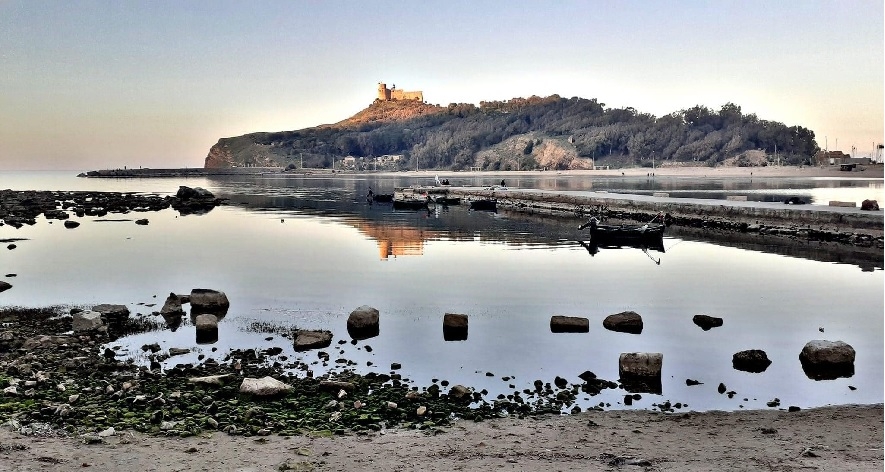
(445, 200)
(649, 235)
(410, 199)
(485, 204)
(382, 197)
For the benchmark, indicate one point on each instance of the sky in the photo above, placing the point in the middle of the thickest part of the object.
(106, 84)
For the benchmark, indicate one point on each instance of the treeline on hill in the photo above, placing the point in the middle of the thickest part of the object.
(450, 137)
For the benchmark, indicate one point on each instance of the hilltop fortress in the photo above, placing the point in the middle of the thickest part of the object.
(393, 93)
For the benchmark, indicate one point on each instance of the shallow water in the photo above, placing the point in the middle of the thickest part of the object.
(304, 252)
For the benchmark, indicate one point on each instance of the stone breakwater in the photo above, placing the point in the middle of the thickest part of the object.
(850, 226)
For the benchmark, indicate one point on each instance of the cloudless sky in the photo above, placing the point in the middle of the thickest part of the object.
(105, 84)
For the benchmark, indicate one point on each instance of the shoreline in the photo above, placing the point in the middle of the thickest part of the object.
(845, 438)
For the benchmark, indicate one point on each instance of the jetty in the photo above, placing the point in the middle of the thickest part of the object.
(178, 172)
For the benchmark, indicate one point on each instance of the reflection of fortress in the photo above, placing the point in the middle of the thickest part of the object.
(394, 241)
(393, 93)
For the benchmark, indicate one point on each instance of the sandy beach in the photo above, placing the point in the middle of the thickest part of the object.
(845, 438)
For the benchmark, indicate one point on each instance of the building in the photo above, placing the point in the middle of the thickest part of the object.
(393, 93)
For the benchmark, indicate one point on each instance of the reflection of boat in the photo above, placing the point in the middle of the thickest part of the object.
(486, 204)
(649, 235)
(382, 197)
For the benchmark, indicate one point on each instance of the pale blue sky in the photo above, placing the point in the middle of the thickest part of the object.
(98, 84)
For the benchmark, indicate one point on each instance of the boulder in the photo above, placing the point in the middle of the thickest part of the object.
(363, 323)
(204, 300)
(454, 327)
(869, 205)
(264, 387)
(207, 328)
(641, 371)
(827, 360)
(142, 222)
(306, 340)
(460, 392)
(624, 322)
(87, 321)
(706, 322)
(752, 360)
(70, 224)
(112, 313)
(569, 324)
(4, 286)
(172, 310)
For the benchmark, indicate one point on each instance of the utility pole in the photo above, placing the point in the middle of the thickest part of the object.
(301, 155)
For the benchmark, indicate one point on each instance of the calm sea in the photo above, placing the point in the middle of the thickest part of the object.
(302, 252)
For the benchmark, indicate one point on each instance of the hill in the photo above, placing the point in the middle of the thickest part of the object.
(550, 132)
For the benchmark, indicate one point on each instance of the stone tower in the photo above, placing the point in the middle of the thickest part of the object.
(383, 92)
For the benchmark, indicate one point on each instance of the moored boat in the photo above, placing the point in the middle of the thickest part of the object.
(485, 204)
(410, 199)
(648, 235)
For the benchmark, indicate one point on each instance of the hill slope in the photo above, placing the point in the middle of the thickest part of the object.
(550, 132)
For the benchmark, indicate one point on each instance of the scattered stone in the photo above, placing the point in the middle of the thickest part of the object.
(4, 286)
(264, 387)
(690, 382)
(706, 322)
(721, 389)
(70, 224)
(569, 324)
(396, 366)
(460, 392)
(177, 351)
(869, 205)
(142, 222)
(85, 321)
(641, 371)
(752, 360)
(624, 322)
(793, 409)
(217, 380)
(306, 340)
(172, 311)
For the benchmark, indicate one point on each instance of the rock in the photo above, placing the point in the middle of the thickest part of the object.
(217, 380)
(112, 314)
(87, 321)
(691, 382)
(264, 387)
(207, 328)
(306, 340)
(460, 392)
(142, 222)
(869, 205)
(205, 300)
(172, 311)
(177, 351)
(363, 323)
(70, 224)
(641, 371)
(827, 360)
(587, 376)
(11, 247)
(721, 388)
(336, 386)
(4, 286)
(454, 327)
(752, 360)
(706, 322)
(569, 324)
(624, 322)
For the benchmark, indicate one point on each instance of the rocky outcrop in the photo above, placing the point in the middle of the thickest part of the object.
(363, 323)
(624, 322)
(827, 360)
(569, 324)
(752, 360)
(194, 201)
(454, 327)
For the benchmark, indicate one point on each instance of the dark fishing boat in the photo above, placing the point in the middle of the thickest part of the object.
(382, 197)
(410, 199)
(649, 235)
(445, 200)
(484, 204)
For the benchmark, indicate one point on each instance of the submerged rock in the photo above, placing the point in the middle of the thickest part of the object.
(4, 286)
(454, 327)
(207, 328)
(706, 322)
(641, 371)
(112, 313)
(306, 340)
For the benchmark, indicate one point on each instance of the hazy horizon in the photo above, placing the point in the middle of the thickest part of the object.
(103, 84)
